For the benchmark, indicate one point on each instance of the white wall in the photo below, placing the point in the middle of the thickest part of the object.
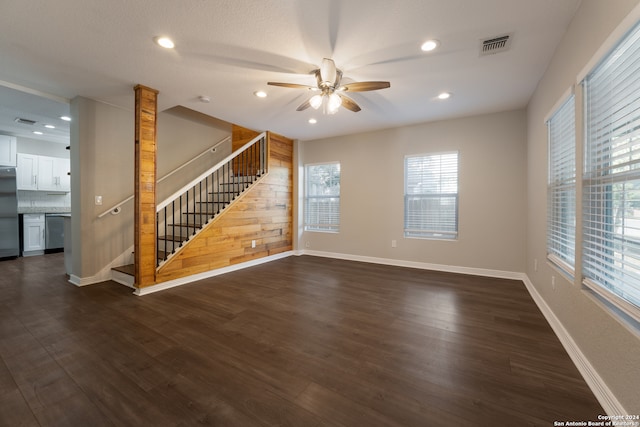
(40, 147)
(492, 185)
(612, 350)
(102, 163)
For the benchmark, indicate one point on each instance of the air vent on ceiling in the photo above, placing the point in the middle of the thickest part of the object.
(24, 121)
(495, 45)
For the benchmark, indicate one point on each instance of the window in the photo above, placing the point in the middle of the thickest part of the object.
(322, 197)
(611, 181)
(561, 190)
(431, 196)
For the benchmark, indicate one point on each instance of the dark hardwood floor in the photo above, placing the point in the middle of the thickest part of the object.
(303, 341)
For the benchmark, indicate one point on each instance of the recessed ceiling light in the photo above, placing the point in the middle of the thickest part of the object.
(430, 45)
(165, 42)
(50, 126)
(444, 95)
(204, 99)
(313, 121)
(260, 94)
(37, 132)
(65, 118)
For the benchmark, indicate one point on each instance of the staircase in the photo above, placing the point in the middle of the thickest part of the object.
(182, 221)
(187, 212)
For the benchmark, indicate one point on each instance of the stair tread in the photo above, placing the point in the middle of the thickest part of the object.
(126, 269)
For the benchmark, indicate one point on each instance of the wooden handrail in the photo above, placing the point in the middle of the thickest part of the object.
(115, 209)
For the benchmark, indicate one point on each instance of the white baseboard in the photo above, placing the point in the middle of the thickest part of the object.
(419, 265)
(104, 274)
(207, 274)
(81, 281)
(607, 399)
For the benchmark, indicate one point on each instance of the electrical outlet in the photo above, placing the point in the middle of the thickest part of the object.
(394, 244)
(307, 244)
(535, 264)
(98, 200)
(553, 282)
(253, 243)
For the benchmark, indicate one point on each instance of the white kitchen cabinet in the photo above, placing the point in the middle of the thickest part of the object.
(61, 169)
(33, 237)
(27, 172)
(45, 176)
(7, 150)
(43, 173)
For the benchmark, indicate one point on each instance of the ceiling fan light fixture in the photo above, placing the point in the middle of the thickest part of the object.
(333, 103)
(315, 101)
(430, 45)
(331, 92)
(328, 72)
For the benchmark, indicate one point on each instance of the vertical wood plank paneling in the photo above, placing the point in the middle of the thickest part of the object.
(239, 137)
(264, 214)
(145, 185)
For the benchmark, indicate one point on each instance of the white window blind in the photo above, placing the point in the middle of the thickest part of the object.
(561, 190)
(611, 202)
(322, 197)
(431, 196)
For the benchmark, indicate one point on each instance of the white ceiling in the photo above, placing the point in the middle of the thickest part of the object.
(30, 105)
(227, 49)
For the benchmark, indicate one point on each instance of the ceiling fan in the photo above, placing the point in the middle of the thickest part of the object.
(330, 94)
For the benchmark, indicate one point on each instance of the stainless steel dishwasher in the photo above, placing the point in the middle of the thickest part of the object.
(54, 232)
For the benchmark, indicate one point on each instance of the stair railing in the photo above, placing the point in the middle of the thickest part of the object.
(115, 209)
(181, 216)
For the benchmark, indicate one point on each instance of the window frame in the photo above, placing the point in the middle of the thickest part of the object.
(562, 212)
(432, 234)
(608, 268)
(333, 226)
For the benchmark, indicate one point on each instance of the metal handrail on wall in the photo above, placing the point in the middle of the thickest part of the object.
(115, 209)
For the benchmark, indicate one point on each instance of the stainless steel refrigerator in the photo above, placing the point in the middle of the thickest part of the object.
(9, 240)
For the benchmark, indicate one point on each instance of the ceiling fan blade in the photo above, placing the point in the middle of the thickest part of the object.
(349, 103)
(364, 86)
(304, 105)
(292, 85)
(328, 72)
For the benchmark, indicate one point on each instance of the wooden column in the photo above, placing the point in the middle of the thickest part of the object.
(145, 186)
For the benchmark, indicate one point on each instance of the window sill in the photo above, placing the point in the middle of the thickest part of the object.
(562, 267)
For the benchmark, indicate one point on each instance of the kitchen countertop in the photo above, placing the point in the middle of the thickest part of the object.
(38, 210)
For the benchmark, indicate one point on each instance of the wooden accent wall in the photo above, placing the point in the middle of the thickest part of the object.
(239, 137)
(264, 214)
(145, 186)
